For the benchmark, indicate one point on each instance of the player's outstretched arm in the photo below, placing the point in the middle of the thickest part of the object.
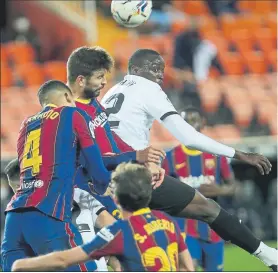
(191, 138)
(56, 261)
(107, 242)
(148, 155)
(164, 111)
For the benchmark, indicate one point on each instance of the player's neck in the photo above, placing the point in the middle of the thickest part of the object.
(76, 92)
(126, 214)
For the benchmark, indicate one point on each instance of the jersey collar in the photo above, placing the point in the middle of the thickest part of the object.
(136, 77)
(189, 151)
(141, 211)
(51, 105)
(84, 101)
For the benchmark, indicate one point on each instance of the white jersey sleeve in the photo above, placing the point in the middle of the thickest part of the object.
(158, 105)
(136, 102)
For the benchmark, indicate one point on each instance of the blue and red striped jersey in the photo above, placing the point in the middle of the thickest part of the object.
(48, 147)
(108, 141)
(196, 168)
(147, 241)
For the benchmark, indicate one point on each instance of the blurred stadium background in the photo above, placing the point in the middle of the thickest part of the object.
(221, 56)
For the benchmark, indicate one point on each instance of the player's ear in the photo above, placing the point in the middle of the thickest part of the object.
(134, 69)
(81, 81)
(68, 97)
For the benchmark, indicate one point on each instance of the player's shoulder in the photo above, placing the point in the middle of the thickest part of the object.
(76, 110)
(144, 84)
(161, 215)
(69, 112)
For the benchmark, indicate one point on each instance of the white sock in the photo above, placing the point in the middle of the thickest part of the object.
(266, 254)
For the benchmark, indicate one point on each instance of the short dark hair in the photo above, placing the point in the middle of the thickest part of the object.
(191, 109)
(51, 86)
(85, 60)
(139, 56)
(12, 170)
(133, 187)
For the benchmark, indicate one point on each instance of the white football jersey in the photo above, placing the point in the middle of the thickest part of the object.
(132, 106)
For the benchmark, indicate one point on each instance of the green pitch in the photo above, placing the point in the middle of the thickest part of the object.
(239, 260)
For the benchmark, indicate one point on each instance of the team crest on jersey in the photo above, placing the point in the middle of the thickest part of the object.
(181, 165)
(92, 130)
(210, 163)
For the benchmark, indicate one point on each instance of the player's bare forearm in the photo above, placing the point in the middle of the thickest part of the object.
(104, 219)
(150, 155)
(185, 262)
(55, 261)
(50, 262)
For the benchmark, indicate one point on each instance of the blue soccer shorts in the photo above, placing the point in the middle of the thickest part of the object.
(208, 255)
(31, 233)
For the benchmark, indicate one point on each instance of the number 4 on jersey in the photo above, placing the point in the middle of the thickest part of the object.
(31, 156)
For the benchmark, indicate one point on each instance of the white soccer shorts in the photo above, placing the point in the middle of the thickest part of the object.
(85, 213)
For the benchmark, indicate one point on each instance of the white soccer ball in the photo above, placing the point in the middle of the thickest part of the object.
(130, 13)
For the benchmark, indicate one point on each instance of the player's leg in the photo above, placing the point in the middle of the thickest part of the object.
(46, 234)
(195, 250)
(13, 246)
(83, 221)
(214, 256)
(179, 199)
(86, 211)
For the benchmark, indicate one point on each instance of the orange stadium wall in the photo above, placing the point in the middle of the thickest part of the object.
(52, 29)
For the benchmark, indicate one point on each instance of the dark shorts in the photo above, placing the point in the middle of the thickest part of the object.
(172, 196)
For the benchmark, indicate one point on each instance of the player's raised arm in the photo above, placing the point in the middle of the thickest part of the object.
(163, 110)
(95, 166)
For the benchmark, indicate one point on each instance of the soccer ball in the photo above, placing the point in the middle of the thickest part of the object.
(130, 13)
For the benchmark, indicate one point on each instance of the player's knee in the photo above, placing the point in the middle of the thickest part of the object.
(209, 211)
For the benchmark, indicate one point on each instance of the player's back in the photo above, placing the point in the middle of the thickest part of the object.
(132, 106)
(152, 242)
(47, 151)
(107, 140)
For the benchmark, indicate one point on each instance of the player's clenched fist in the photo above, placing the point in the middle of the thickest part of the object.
(150, 154)
(157, 174)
